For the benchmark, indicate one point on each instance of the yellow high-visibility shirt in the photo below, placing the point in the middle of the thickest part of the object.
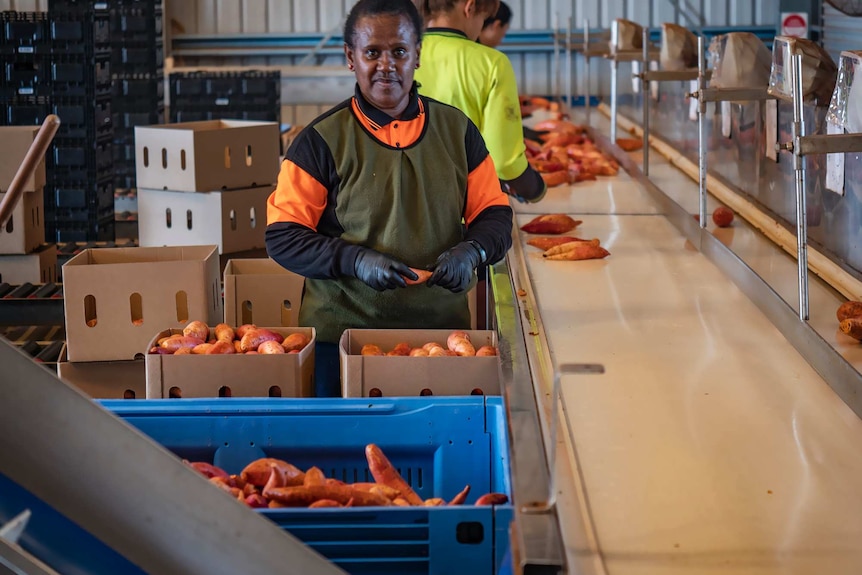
(480, 82)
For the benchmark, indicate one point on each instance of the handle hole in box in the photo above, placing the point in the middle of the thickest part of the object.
(182, 159)
(189, 222)
(10, 225)
(165, 158)
(274, 391)
(146, 157)
(227, 157)
(136, 308)
(90, 316)
(252, 217)
(232, 217)
(470, 533)
(175, 392)
(286, 309)
(248, 160)
(168, 218)
(182, 305)
(245, 312)
(225, 391)
(129, 394)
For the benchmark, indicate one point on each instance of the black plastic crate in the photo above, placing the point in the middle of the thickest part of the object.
(24, 33)
(136, 25)
(124, 182)
(241, 86)
(125, 122)
(124, 155)
(75, 75)
(27, 75)
(140, 92)
(76, 34)
(139, 59)
(61, 196)
(79, 160)
(83, 118)
(62, 216)
(98, 231)
(26, 111)
(77, 7)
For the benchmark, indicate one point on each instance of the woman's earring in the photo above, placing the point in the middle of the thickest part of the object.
(350, 67)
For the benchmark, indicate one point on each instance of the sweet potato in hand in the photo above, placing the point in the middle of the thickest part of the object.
(551, 224)
(423, 277)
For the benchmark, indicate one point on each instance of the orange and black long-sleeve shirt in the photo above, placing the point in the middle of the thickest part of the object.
(410, 187)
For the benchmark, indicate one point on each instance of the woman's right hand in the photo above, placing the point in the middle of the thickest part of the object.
(381, 272)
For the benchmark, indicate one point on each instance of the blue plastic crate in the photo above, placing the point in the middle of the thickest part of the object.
(439, 447)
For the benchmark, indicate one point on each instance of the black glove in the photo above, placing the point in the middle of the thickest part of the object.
(380, 271)
(455, 267)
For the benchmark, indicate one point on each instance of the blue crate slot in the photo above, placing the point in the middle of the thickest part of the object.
(438, 446)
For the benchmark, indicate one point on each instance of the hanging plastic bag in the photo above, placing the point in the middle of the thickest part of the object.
(678, 47)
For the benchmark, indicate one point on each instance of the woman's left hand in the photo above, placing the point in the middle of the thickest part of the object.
(455, 267)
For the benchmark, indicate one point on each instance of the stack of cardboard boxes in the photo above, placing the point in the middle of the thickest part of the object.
(117, 299)
(205, 183)
(23, 256)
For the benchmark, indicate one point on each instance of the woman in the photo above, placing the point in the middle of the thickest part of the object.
(479, 81)
(379, 184)
(494, 29)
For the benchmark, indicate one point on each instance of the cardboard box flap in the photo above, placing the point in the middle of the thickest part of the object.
(123, 256)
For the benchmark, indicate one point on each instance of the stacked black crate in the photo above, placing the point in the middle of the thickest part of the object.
(25, 92)
(79, 200)
(237, 95)
(138, 79)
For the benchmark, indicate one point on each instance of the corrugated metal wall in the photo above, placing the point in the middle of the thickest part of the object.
(840, 32)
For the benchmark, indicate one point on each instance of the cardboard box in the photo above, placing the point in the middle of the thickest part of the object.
(207, 156)
(38, 267)
(106, 379)
(15, 141)
(234, 220)
(25, 230)
(261, 292)
(406, 376)
(245, 375)
(116, 297)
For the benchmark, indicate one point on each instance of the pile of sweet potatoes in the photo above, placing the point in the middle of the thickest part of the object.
(457, 344)
(198, 339)
(274, 483)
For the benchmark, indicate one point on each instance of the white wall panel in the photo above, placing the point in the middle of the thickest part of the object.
(24, 5)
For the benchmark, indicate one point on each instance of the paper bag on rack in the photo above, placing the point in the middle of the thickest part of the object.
(678, 47)
(626, 35)
(819, 71)
(744, 62)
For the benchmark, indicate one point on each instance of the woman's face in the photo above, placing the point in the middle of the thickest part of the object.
(384, 55)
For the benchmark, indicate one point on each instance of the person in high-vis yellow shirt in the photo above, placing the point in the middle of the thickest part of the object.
(495, 27)
(480, 82)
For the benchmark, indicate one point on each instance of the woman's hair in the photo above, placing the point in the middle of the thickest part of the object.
(430, 8)
(364, 8)
(503, 15)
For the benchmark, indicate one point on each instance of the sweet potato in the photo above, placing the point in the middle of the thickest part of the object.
(256, 501)
(630, 144)
(419, 352)
(295, 341)
(486, 351)
(461, 497)
(578, 251)
(402, 348)
(545, 244)
(224, 332)
(303, 496)
(567, 246)
(459, 342)
(270, 347)
(221, 348)
(243, 329)
(208, 470)
(849, 309)
(184, 351)
(201, 348)
(441, 352)
(197, 329)
(174, 343)
(553, 179)
(400, 502)
(385, 473)
(423, 277)
(237, 345)
(258, 471)
(852, 326)
(435, 502)
(384, 490)
(371, 349)
(551, 224)
(324, 503)
(314, 476)
(431, 345)
(493, 499)
(254, 337)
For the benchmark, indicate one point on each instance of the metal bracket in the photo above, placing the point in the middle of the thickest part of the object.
(13, 556)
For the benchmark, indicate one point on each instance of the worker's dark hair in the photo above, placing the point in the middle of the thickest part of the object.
(364, 8)
(431, 8)
(504, 15)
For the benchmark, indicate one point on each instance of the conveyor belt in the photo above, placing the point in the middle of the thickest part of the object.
(708, 444)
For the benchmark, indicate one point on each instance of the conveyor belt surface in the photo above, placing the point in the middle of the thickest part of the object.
(708, 444)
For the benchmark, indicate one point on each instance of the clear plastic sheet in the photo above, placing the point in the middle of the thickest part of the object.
(741, 60)
(845, 108)
(626, 35)
(818, 70)
(678, 47)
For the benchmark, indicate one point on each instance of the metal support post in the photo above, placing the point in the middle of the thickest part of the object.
(799, 165)
(587, 83)
(701, 129)
(645, 95)
(614, 73)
